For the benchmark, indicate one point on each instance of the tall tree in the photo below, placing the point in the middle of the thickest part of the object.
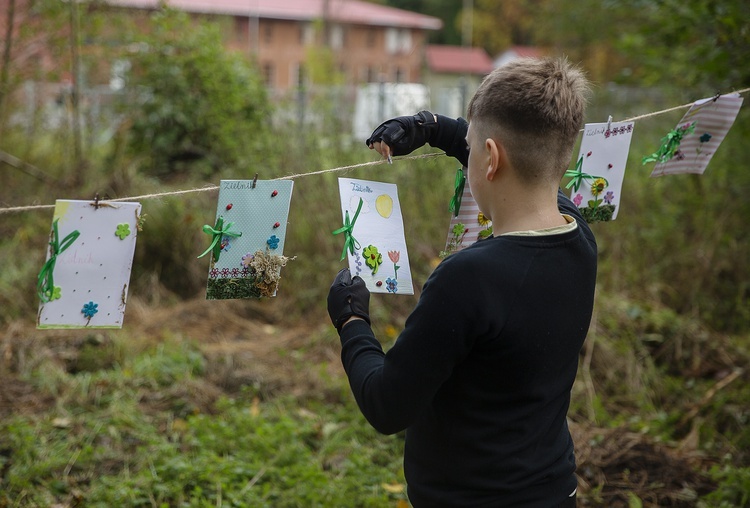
(446, 10)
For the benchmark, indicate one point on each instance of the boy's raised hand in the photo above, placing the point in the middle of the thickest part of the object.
(403, 134)
(348, 297)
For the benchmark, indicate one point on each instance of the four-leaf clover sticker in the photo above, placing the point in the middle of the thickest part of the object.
(373, 258)
(56, 293)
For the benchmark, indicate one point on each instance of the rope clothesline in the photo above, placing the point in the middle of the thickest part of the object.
(207, 188)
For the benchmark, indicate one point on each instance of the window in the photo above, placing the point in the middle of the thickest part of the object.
(306, 33)
(118, 74)
(371, 75)
(397, 40)
(371, 37)
(297, 76)
(336, 37)
(268, 74)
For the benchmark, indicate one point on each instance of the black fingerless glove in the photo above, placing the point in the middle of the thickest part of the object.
(404, 134)
(348, 297)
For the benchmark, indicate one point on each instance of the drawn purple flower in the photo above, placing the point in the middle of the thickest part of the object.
(630, 127)
(608, 197)
(235, 272)
(224, 272)
(577, 200)
(245, 272)
(607, 133)
(678, 155)
(247, 258)
(214, 273)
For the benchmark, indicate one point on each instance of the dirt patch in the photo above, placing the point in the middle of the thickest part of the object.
(17, 397)
(614, 465)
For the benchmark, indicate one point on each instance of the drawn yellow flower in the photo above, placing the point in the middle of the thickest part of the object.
(483, 220)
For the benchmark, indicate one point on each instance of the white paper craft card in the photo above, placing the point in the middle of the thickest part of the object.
(713, 119)
(84, 281)
(246, 260)
(596, 185)
(380, 257)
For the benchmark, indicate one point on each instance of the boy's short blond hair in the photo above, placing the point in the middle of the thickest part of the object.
(535, 108)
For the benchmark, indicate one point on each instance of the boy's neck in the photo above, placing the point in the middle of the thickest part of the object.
(525, 210)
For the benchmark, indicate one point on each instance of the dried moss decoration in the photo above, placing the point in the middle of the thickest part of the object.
(232, 288)
(601, 213)
(263, 279)
(266, 269)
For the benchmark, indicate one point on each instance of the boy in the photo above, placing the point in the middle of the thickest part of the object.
(481, 375)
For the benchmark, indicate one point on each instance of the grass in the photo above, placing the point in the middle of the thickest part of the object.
(129, 436)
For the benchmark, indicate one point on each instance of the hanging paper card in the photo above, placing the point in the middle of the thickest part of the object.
(689, 147)
(246, 242)
(596, 181)
(373, 235)
(469, 226)
(84, 281)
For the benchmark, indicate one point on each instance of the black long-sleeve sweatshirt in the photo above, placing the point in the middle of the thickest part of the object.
(481, 375)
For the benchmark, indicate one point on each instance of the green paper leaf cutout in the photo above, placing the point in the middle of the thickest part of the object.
(670, 144)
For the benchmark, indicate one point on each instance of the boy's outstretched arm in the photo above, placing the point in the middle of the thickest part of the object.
(404, 134)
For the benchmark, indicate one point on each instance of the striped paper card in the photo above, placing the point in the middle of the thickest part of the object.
(713, 118)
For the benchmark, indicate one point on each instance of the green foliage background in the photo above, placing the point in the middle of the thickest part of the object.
(672, 311)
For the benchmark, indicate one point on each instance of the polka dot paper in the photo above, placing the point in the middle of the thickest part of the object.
(84, 280)
(245, 243)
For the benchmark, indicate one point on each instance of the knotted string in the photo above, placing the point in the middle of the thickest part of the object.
(350, 243)
(45, 281)
(219, 230)
(458, 193)
(579, 176)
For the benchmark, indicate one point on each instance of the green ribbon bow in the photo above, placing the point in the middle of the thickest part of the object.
(219, 230)
(458, 193)
(45, 285)
(579, 176)
(350, 242)
(669, 144)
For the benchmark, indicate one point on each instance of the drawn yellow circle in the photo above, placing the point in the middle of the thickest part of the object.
(384, 205)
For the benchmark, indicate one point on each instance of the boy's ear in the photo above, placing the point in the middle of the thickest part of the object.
(498, 158)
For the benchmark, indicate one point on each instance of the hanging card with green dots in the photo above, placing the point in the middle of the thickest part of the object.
(84, 280)
(245, 243)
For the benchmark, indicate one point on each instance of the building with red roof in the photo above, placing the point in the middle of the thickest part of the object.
(453, 73)
(369, 42)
